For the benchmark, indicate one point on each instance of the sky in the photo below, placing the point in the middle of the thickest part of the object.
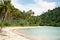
(38, 6)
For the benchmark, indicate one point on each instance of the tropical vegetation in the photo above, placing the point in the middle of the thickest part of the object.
(11, 16)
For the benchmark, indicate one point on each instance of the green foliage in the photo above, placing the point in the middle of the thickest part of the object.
(22, 23)
(51, 17)
(16, 17)
(7, 24)
(0, 23)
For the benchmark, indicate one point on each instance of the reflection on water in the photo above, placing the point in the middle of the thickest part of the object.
(52, 33)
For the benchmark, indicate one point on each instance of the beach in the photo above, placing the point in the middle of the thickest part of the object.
(8, 34)
(11, 33)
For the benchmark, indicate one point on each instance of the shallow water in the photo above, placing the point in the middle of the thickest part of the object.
(52, 33)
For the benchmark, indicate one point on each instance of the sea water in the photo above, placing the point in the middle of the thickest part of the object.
(47, 32)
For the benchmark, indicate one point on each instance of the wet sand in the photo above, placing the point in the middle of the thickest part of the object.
(10, 33)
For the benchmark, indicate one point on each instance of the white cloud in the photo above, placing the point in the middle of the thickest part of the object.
(39, 7)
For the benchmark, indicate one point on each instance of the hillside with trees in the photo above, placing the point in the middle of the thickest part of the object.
(11, 16)
(51, 17)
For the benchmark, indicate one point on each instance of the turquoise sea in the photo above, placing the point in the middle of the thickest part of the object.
(47, 32)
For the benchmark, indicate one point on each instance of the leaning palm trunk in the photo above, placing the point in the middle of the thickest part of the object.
(4, 16)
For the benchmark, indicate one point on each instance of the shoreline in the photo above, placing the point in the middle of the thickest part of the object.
(11, 33)
(8, 34)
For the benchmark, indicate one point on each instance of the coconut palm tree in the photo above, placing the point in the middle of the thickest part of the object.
(5, 10)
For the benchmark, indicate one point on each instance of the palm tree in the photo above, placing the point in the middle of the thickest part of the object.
(5, 6)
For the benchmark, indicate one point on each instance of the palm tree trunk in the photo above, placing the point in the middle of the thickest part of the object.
(4, 16)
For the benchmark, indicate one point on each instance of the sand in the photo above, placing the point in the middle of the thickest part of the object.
(10, 33)
(7, 34)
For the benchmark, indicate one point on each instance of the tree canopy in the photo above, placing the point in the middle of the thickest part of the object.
(16, 17)
(51, 17)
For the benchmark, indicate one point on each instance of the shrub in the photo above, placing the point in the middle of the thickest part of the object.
(7, 24)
